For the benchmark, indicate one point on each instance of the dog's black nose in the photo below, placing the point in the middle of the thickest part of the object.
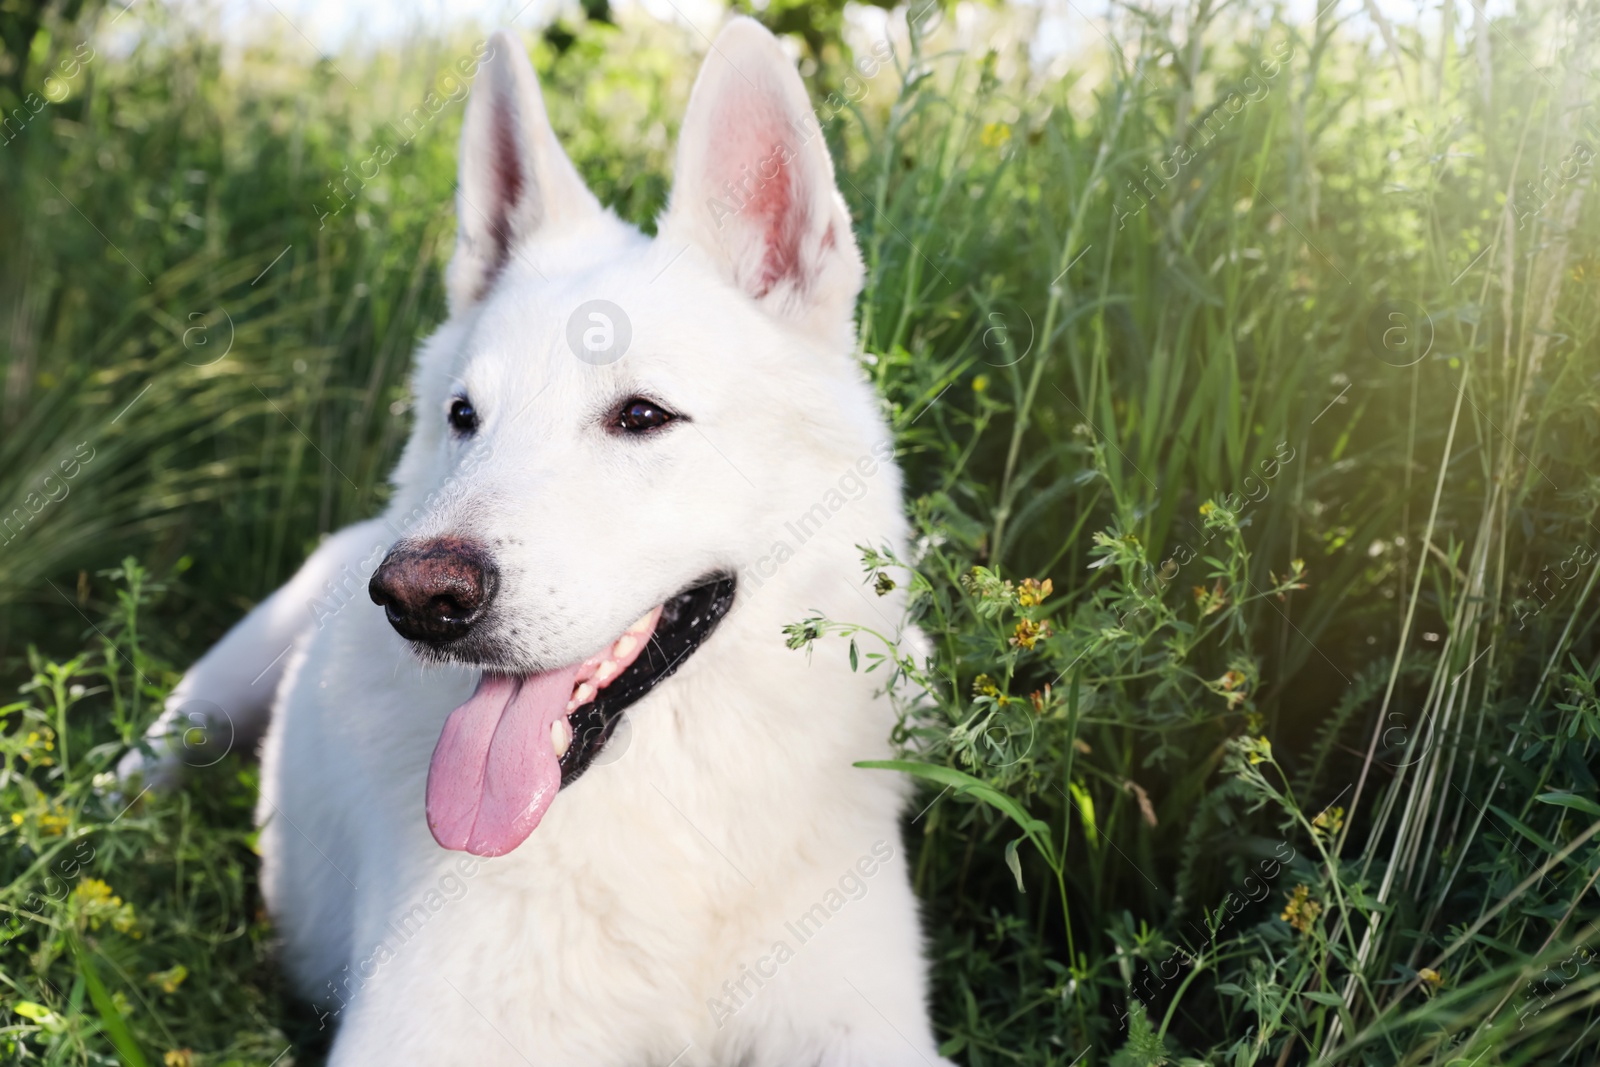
(433, 591)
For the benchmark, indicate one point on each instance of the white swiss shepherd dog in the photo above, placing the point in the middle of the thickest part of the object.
(466, 863)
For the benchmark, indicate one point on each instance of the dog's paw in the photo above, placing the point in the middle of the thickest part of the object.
(159, 769)
(190, 733)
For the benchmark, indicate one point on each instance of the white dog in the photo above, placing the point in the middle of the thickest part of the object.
(634, 461)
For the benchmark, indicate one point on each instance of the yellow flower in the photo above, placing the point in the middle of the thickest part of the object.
(1431, 980)
(1260, 749)
(179, 1057)
(94, 891)
(1207, 508)
(99, 905)
(995, 134)
(1034, 592)
(1030, 633)
(1301, 911)
(1329, 822)
(1210, 600)
(170, 979)
(16, 818)
(1234, 687)
(980, 383)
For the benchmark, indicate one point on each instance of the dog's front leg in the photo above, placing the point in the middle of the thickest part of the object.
(223, 700)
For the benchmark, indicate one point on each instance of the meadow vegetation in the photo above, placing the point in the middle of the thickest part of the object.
(1244, 372)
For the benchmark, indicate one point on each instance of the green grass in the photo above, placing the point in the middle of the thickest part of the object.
(1320, 637)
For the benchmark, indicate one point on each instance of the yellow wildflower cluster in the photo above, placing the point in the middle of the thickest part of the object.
(1328, 823)
(1032, 592)
(50, 820)
(1301, 911)
(1030, 632)
(985, 686)
(37, 746)
(170, 979)
(99, 905)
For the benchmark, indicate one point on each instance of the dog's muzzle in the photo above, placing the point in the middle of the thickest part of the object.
(434, 591)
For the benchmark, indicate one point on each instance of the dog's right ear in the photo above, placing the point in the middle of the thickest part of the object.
(515, 180)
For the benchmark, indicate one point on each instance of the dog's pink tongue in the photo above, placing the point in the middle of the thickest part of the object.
(494, 771)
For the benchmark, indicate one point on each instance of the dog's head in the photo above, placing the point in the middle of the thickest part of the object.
(607, 424)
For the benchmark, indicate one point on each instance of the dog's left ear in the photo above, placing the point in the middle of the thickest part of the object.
(755, 188)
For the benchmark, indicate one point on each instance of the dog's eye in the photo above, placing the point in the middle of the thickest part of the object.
(639, 415)
(463, 416)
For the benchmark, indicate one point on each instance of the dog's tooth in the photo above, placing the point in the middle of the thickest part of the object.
(642, 623)
(625, 644)
(607, 669)
(560, 737)
(583, 694)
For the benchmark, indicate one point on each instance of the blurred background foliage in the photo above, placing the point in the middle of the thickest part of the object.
(1267, 337)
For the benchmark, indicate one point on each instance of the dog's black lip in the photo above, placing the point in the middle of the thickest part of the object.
(687, 619)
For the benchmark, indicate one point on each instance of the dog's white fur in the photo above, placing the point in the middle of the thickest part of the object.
(667, 909)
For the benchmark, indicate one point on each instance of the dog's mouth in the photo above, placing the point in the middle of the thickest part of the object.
(519, 738)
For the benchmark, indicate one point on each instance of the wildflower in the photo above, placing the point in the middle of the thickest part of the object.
(1233, 686)
(179, 1057)
(94, 891)
(1210, 601)
(995, 134)
(1030, 632)
(1260, 750)
(980, 383)
(16, 818)
(1033, 592)
(1039, 698)
(1295, 579)
(97, 903)
(170, 979)
(1329, 822)
(1431, 980)
(983, 686)
(1301, 911)
(1207, 508)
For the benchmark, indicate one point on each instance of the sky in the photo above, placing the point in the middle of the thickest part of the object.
(335, 25)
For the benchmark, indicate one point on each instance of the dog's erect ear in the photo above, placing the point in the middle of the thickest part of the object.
(755, 189)
(514, 180)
